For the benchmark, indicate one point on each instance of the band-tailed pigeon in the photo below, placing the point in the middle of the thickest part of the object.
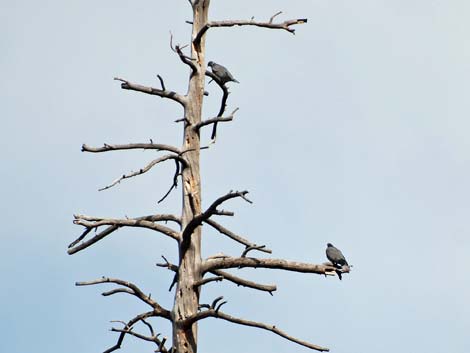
(221, 72)
(336, 257)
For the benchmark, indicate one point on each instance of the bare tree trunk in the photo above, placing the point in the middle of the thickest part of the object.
(187, 295)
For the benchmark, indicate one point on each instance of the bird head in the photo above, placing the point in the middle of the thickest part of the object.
(329, 245)
(210, 63)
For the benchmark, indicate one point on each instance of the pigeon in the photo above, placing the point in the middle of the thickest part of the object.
(336, 257)
(221, 73)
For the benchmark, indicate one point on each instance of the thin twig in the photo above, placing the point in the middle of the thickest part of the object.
(162, 83)
(273, 16)
(216, 300)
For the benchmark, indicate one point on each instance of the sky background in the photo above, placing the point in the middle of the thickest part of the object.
(354, 131)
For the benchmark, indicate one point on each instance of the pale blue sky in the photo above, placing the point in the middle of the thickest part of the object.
(354, 131)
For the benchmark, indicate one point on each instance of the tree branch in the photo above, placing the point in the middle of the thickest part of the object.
(151, 218)
(220, 315)
(168, 265)
(91, 223)
(145, 169)
(162, 83)
(210, 265)
(130, 223)
(142, 222)
(234, 236)
(245, 283)
(146, 146)
(223, 102)
(128, 326)
(175, 182)
(185, 59)
(223, 213)
(215, 120)
(154, 338)
(286, 25)
(153, 91)
(135, 334)
(74, 249)
(208, 280)
(197, 220)
(134, 290)
(252, 247)
(116, 291)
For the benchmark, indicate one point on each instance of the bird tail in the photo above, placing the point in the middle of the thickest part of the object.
(234, 80)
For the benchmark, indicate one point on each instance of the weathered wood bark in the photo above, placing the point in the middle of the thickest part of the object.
(187, 295)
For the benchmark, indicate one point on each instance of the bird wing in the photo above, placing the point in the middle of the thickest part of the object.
(335, 255)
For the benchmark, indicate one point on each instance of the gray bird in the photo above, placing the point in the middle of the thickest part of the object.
(336, 257)
(221, 72)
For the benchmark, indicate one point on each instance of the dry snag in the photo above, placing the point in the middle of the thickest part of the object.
(192, 272)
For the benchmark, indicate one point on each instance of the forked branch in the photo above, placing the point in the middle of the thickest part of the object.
(214, 312)
(215, 120)
(142, 222)
(128, 326)
(197, 220)
(184, 58)
(163, 93)
(134, 290)
(167, 264)
(250, 248)
(153, 338)
(145, 169)
(74, 248)
(285, 25)
(91, 223)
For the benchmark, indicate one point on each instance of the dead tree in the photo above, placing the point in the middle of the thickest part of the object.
(191, 272)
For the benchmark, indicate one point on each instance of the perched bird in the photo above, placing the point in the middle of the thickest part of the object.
(221, 72)
(336, 257)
